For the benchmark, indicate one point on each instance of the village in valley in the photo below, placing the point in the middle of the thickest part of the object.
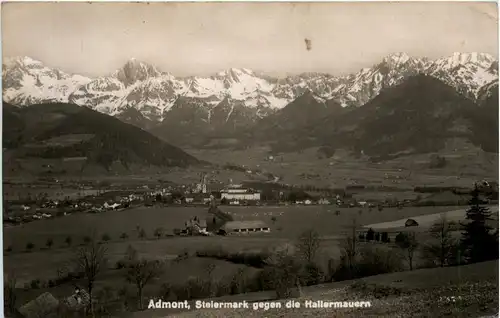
(257, 153)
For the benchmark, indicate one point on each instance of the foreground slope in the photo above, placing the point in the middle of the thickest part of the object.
(418, 293)
(59, 131)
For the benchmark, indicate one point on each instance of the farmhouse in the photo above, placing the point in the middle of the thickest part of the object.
(237, 192)
(244, 227)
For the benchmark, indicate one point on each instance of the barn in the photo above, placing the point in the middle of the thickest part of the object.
(244, 227)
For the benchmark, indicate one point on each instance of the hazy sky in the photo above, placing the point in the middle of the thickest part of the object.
(202, 38)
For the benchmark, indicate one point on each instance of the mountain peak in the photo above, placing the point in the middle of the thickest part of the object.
(135, 70)
(397, 58)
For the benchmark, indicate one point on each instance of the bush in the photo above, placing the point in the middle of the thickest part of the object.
(400, 238)
(105, 237)
(68, 240)
(86, 239)
(8, 249)
(120, 264)
(361, 237)
(312, 275)
(158, 232)
(371, 261)
(35, 284)
(124, 236)
(253, 259)
(30, 246)
(49, 243)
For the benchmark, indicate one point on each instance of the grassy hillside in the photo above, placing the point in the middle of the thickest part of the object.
(419, 293)
(418, 116)
(65, 130)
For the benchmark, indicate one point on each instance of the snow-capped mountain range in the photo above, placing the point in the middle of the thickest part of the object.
(152, 92)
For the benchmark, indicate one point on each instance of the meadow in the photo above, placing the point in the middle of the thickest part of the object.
(290, 222)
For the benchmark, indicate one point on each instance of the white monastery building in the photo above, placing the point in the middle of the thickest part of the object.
(237, 192)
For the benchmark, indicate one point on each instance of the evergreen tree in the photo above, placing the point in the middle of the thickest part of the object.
(477, 243)
(370, 235)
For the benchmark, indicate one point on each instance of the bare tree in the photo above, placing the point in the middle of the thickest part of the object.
(140, 273)
(443, 243)
(350, 246)
(409, 244)
(90, 260)
(9, 291)
(308, 245)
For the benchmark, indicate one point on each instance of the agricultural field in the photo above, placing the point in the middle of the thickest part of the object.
(289, 222)
(343, 169)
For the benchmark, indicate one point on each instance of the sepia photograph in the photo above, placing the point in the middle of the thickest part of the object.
(250, 159)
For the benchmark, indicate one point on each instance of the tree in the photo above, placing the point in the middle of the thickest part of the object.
(377, 236)
(30, 246)
(159, 232)
(49, 243)
(350, 251)
(385, 237)
(142, 233)
(409, 244)
(477, 242)
(273, 219)
(140, 273)
(442, 245)
(10, 294)
(308, 245)
(90, 260)
(370, 234)
(285, 272)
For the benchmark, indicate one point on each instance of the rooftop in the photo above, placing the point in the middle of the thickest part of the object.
(233, 225)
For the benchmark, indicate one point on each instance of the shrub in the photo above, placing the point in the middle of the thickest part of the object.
(35, 284)
(8, 249)
(68, 240)
(158, 232)
(105, 237)
(312, 274)
(370, 261)
(361, 237)
(49, 243)
(400, 238)
(30, 246)
(124, 236)
(86, 239)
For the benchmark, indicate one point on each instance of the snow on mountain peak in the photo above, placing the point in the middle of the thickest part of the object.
(142, 86)
(397, 58)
